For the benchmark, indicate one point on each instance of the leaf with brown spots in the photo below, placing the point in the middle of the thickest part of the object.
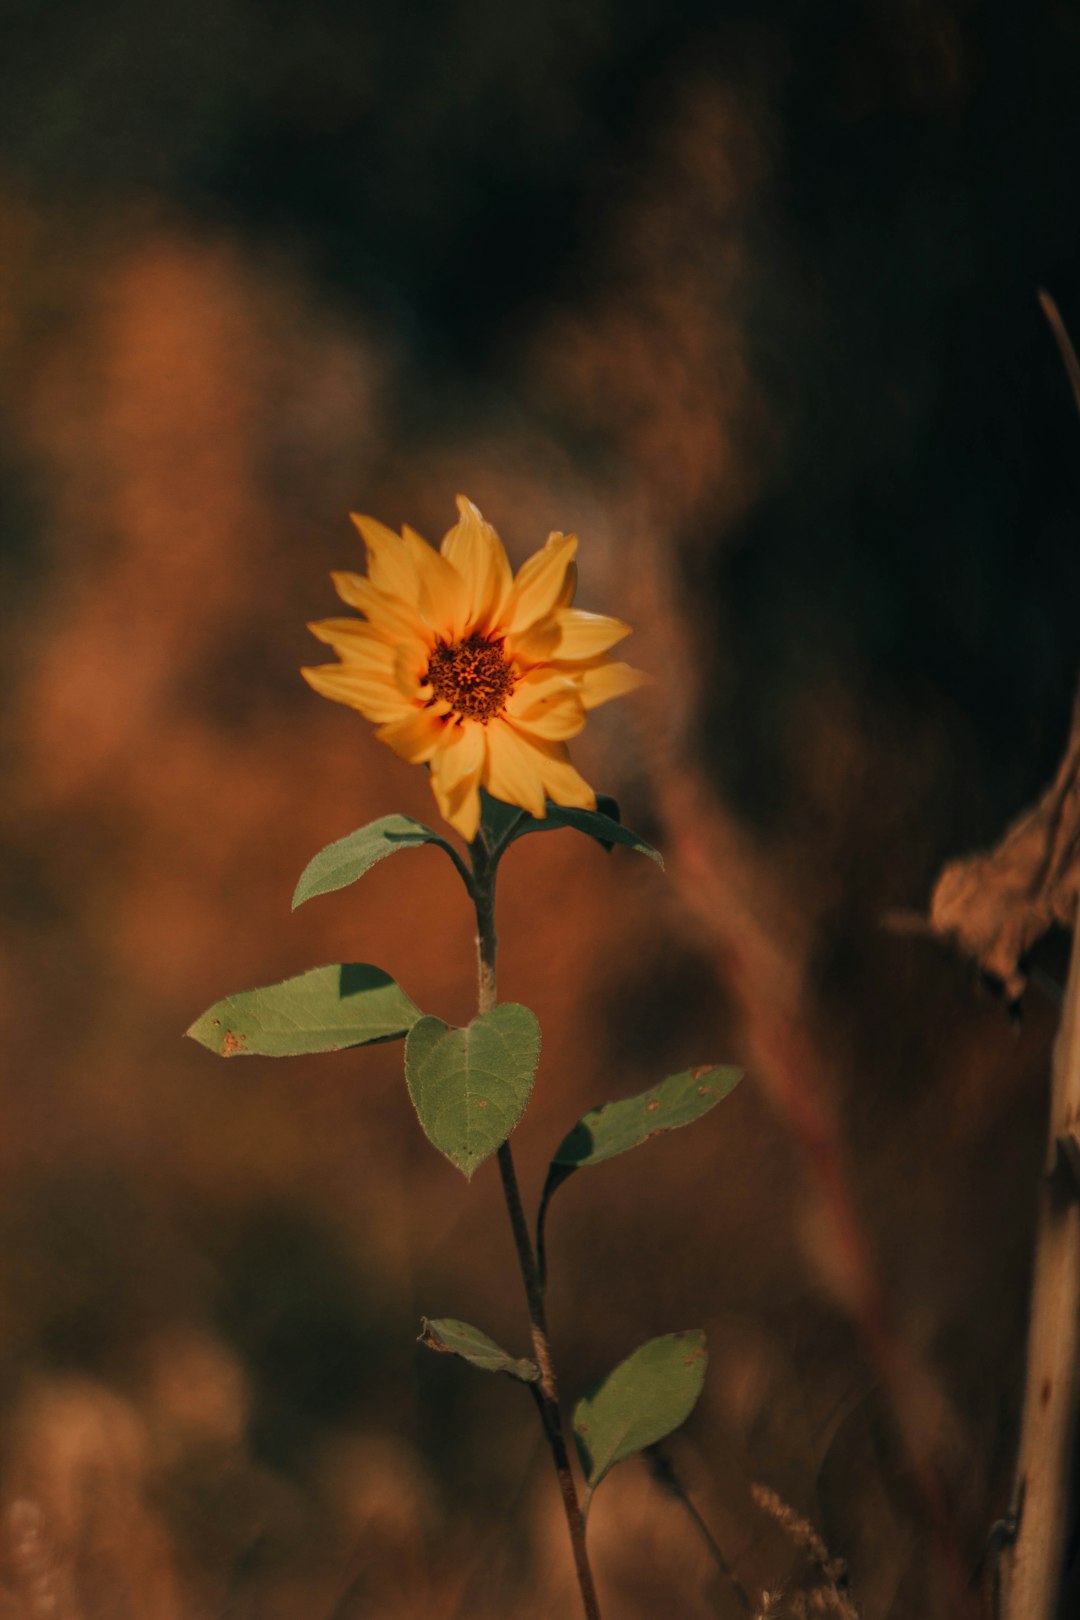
(447, 1334)
(648, 1395)
(616, 1127)
(326, 1009)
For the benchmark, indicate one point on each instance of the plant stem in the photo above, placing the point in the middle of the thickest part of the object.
(663, 1472)
(546, 1390)
(1033, 1564)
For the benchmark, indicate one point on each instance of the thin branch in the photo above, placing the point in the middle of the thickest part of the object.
(663, 1471)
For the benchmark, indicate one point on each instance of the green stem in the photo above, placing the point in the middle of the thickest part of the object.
(546, 1390)
(462, 869)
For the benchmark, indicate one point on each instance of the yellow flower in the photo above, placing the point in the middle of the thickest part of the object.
(478, 673)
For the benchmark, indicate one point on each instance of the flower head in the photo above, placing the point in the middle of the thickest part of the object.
(481, 674)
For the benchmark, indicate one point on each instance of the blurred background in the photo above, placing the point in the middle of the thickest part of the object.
(745, 295)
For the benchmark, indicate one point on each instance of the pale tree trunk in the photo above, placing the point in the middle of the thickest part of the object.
(1032, 1565)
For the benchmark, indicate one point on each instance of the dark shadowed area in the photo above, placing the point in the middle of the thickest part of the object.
(746, 296)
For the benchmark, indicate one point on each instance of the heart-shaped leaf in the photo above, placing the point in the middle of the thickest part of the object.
(470, 1086)
(464, 1340)
(323, 1010)
(342, 862)
(642, 1400)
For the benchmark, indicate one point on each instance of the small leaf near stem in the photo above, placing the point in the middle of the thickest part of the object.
(641, 1401)
(347, 859)
(616, 1127)
(502, 825)
(456, 1338)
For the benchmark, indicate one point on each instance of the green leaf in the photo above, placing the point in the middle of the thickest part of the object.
(604, 829)
(470, 1086)
(504, 824)
(616, 1127)
(323, 1010)
(464, 1340)
(647, 1396)
(341, 863)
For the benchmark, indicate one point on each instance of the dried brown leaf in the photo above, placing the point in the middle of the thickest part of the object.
(996, 906)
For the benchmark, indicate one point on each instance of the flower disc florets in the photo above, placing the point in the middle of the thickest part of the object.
(473, 676)
(478, 673)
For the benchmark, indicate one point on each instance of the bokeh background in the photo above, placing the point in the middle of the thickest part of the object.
(744, 294)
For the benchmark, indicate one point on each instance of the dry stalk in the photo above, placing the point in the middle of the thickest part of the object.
(34, 1562)
(828, 1595)
(1032, 1565)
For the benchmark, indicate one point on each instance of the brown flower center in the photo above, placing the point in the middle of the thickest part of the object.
(474, 676)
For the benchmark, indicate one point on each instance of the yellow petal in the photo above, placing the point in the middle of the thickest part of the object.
(539, 583)
(546, 703)
(390, 566)
(584, 635)
(475, 550)
(414, 736)
(464, 813)
(607, 679)
(390, 617)
(542, 682)
(562, 783)
(378, 700)
(557, 717)
(442, 598)
(535, 645)
(357, 641)
(354, 589)
(512, 771)
(410, 666)
(455, 776)
(569, 590)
